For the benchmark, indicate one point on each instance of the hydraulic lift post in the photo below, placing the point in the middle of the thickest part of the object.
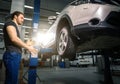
(33, 61)
(107, 72)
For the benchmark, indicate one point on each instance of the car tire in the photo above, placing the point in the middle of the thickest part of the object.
(65, 45)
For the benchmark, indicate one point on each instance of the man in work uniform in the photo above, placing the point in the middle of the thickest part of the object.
(13, 45)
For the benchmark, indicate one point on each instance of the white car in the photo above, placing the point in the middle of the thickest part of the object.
(82, 22)
(80, 62)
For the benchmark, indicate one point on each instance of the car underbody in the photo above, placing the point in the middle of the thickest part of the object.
(100, 43)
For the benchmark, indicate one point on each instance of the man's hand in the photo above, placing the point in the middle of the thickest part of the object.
(32, 50)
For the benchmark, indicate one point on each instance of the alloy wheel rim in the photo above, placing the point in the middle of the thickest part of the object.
(63, 41)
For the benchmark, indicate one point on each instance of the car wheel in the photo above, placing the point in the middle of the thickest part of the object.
(65, 45)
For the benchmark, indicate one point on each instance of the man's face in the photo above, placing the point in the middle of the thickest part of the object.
(20, 19)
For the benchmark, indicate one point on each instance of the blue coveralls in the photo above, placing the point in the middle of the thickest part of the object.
(12, 62)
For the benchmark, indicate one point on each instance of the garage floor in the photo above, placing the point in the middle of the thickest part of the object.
(72, 75)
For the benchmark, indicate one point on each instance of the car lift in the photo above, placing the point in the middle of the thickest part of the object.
(33, 61)
(107, 72)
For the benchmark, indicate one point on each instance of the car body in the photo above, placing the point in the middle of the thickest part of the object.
(84, 21)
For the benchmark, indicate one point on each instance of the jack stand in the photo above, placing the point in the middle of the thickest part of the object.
(29, 75)
(32, 72)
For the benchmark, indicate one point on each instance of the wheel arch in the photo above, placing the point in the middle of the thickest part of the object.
(65, 19)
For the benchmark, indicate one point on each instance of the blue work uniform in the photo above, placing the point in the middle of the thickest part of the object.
(12, 56)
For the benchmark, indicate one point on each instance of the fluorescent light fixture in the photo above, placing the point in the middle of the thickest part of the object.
(30, 7)
(57, 13)
(28, 19)
(26, 27)
(26, 32)
(1, 23)
(26, 38)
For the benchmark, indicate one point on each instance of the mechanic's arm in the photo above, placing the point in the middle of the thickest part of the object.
(15, 39)
(30, 42)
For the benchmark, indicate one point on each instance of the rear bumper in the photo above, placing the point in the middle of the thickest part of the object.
(102, 29)
(110, 26)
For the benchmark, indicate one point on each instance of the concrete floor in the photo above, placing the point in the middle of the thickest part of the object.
(72, 75)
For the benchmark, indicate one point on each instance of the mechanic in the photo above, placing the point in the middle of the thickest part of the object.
(13, 46)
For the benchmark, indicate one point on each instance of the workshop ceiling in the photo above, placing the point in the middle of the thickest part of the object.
(52, 6)
(47, 8)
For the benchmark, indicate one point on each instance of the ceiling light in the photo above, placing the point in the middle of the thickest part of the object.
(30, 7)
(28, 19)
(1, 23)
